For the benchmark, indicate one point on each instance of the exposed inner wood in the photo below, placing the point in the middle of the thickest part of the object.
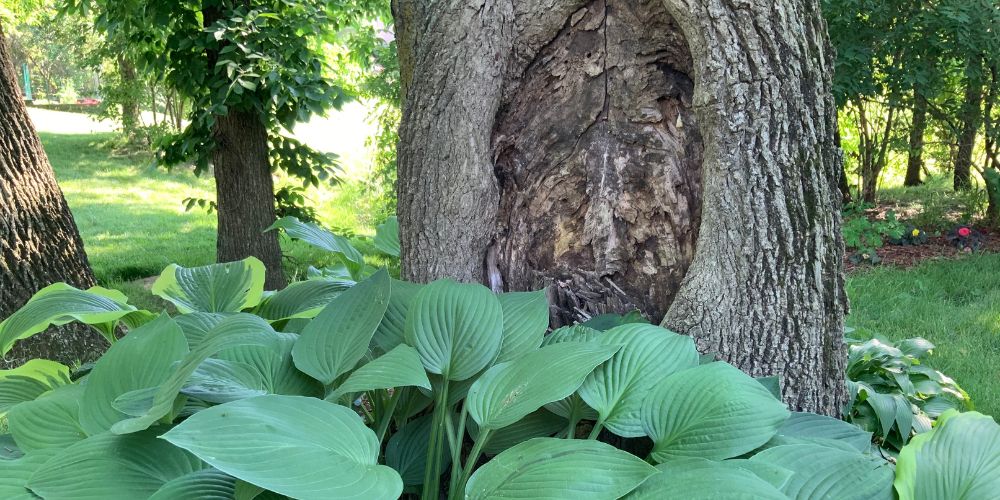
(598, 156)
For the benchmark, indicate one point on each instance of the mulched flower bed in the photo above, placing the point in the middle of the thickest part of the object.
(937, 247)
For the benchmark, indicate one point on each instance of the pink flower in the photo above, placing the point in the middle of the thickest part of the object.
(964, 232)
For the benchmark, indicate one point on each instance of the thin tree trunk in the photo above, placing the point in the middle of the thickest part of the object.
(675, 156)
(971, 119)
(130, 105)
(245, 194)
(915, 159)
(39, 242)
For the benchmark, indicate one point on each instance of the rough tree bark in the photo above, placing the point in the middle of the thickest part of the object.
(39, 242)
(971, 116)
(677, 156)
(915, 159)
(245, 194)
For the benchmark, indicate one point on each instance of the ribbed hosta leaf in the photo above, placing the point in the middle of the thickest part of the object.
(197, 325)
(541, 423)
(509, 391)
(712, 411)
(14, 474)
(823, 472)
(391, 331)
(303, 299)
(573, 405)
(406, 451)
(9, 449)
(335, 341)
(238, 331)
(813, 426)
(109, 466)
(399, 367)
(296, 446)
(144, 358)
(325, 240)
(700, 479)
(221, 381)
(648, 355)
(525, 319)
(958, 460)
(59, 304)
(30, 380)
(557, 469)
(51, 421)
(456, 328)
(274, 362)
(205, 484)
(387, 237)
(219, 288)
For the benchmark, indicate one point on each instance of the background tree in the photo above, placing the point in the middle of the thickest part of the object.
(39, 242)
(566, 144)
(252, 69)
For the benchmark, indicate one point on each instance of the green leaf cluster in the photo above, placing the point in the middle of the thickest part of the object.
(376, 388)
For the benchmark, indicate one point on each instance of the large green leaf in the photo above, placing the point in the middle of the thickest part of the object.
(338, 338)
(108, 466)
(829, 473)
(296, 446)
(509, 391)
(387, 237)
(30, 380)
(958, 460)
(407, 451)
(617, 388)
(399, 367)
(559, 468)
(274, 362)
(221, 381)
(14, 474)
(323, 239)
(303, 299)
(712, 411)
(59, 304)
(8, 448)
(197, 325)
(391, 331)
(219, 288)
(813, 426)
(456, 328)
(700, 479)
(205, 484)
(541, 423)
(573, 405)
(51, 421)
(142, 359)
(237, 331)
(525, 319)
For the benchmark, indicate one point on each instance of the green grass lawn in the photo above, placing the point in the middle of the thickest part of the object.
(954, 304)
(133, 221)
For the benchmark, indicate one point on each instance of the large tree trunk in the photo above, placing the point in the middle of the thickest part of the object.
(245, 194)
(39, 242)
(668, 155)
(915, 159)
(971, 116)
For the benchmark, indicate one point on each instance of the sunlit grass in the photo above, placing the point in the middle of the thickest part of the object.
(954, 304)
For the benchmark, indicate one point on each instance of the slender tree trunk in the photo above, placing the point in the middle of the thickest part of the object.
(971, 119)
(842, 183)
(39, 242)
(130, 105)
(245, 194)
(672, 155)
(915, 159)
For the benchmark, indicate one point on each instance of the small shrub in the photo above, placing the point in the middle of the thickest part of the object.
(966, 238)
(911, 236)
(865, 235)
(895, 393)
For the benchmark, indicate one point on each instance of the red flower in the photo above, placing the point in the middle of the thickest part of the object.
(964, 232)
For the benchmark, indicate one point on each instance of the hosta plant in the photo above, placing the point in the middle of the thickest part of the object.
(378, 388)
(894, 392)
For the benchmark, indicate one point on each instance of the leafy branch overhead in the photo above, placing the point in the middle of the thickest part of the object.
(261, 57)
